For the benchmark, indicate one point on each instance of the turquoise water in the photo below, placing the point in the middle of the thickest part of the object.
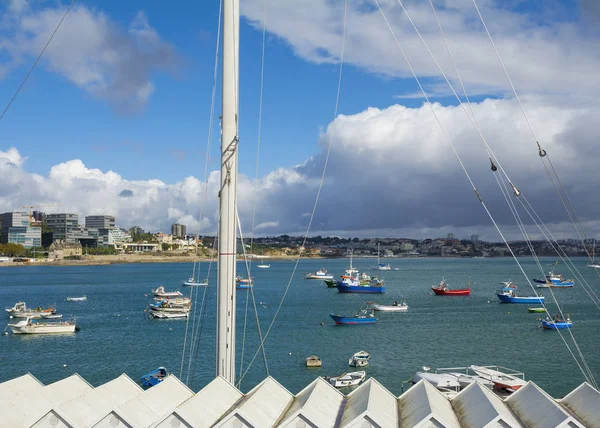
(117, 336)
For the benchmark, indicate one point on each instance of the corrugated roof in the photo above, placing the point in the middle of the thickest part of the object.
(261, 407)
(207, 406)
(584, 402)
(371, 402)
(155, 403)
(423, 406)
(319, 404)
(478, 407)
(536, 409)
(90, 408)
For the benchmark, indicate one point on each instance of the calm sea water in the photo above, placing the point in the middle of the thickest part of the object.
(117, 335)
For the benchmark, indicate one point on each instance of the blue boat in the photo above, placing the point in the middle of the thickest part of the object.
(154, 377)
(555, 280)
(362, 317)
(364, 284)
(557, 324)
(508, 295)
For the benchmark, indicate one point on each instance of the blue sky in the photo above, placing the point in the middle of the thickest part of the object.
(126, 87)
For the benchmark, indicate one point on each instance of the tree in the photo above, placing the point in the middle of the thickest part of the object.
(12, 250)
(165, 246)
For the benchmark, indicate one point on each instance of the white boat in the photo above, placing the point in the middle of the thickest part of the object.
(320, 274)
(593, 263)
(76, 299)
(394, 307)
(466, 379)
(444, 382)
(26, 326)
(360, 359)
(20, 310)
(160, 292)
(165, 306)
(169, 315)
(192, 281)
(18, 307)
(346, 379)
(381, 266)
(499, 379)
(50, 316)
(263, 266)
(175, 302)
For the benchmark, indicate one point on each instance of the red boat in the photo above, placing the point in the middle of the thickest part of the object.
(443, 290)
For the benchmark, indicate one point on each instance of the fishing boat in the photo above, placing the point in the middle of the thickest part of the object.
(359, 359)
(154, 377)
(509, 295)
(536, 310)
(360, 284)
(364, 316)
(555, 280)
(27, 326)
(160, 292)
(76, 299)
(442, 290)
(394, 307)
(169, 315)
(321, 274)
(500, 379)
(346, 379)
(263, 266)
(557, 323)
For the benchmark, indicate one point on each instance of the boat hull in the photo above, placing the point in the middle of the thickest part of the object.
(551, 325)
(510, 299)
(345, 288)
(76, 299)
(243, 286)
(388, 308)
(458, 292)
(536, 310)
(330, 283)
(43, 329)
(321, 277)
(345, 320)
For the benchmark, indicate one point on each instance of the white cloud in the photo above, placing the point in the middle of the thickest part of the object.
(390, 171)
(90, 50)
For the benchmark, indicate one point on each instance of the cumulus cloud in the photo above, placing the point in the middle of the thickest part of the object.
(391, 172)
(551, 57)
(90, 50)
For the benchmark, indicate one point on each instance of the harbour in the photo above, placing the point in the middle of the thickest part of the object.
(437, 331)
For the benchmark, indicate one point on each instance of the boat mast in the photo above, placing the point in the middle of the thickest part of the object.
(227, 194)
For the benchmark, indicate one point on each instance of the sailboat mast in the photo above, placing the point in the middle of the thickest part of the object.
(227, 195)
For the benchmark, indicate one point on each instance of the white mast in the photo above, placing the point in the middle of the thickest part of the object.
(227, 195)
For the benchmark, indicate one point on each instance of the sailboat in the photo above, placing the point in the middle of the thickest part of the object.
(382, 266)
(594, 264)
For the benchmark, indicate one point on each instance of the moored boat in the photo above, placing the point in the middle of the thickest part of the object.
(359, 359)
(442, 290)
(557, 323)
(27, 326)
(354, 283)
(313, 361)
(193, 281)
(536, 310)
(154, 377)
(363, 316)
(263, 266)
(346, 379)
(166, 306)
(330, 283)
(76, 299)
(320, 274)
(160, 292)
(17, 307)
(394, 307)
(169, 315)
(555, 280)
(501, 380)
(507, 294)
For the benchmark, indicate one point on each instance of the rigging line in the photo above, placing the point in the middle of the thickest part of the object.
(467, 174)
(260, 336)
(206, 162)
(37, 59)
(260, 110)
(329, 145)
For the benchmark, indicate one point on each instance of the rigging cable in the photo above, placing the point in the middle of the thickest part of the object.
(37, 59)
(457, 155)
(203, 200)
(312, 215)
(260, 109)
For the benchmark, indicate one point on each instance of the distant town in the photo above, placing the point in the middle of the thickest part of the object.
(35, 234)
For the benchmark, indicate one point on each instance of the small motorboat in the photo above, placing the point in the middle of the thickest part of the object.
(263, 266)
(169, 315)
(444, 382)
(17, 307)
(359, 359)
(160, 292)
(442, 290)
(192, 281)
(50, 316)
(330, 283)
(507, 294)
(364, 316)
(27, 326)
(555, 280)
(394, 307)
(154, 377)
(313, 361)
(321, 274)
(500, 380)
(536, 310)
(557, 323)
(76, 299)
(346, 379)
(243, 283)
(177, 302)
(166, 306)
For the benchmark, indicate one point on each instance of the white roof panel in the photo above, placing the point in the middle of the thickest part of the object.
(535, 408)
(319, 403)
(422, 403)
(90, 408)
(19, 385)
(67, 389)
(54, 419)
(477, 407)
(584, 402)
(371, 401)
(262, 406)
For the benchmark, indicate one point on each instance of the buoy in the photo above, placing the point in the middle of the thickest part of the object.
(322, 323)
(64, 365)
(6, 333)
(508, 313)
(290, 353)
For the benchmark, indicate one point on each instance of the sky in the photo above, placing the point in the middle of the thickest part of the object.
(114, 119)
